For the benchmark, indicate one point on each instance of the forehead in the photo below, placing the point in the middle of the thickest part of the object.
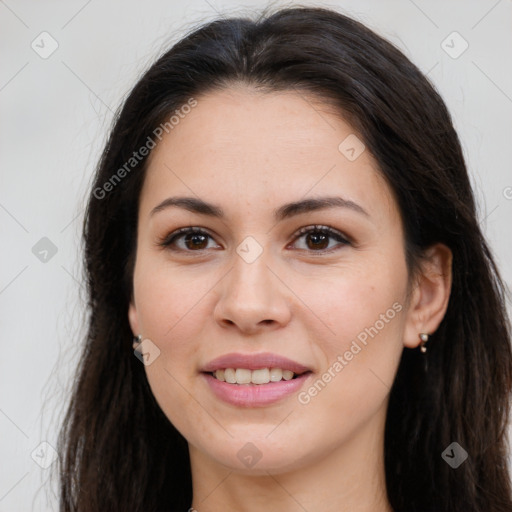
(243, 146)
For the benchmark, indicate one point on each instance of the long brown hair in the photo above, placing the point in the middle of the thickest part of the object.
(118, 451)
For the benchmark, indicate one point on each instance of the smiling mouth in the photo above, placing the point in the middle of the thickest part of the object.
(262, 376)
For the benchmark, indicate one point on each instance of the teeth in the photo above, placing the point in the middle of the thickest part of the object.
(276, 374)
(260, 376)
(230, 376)
(287, 375)
(244, 376)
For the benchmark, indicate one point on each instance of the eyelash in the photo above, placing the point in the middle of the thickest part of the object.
(319, 229)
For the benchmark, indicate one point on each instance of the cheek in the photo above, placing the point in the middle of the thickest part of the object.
(167, 299)
(364, 310)
(360, 359)
(172, 307)
(347, 302)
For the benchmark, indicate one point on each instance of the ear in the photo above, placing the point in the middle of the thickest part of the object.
(430, 294)
(133, 318)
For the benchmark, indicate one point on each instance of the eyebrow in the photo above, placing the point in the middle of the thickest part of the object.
(285, 211)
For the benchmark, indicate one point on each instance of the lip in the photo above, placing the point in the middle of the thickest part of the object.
(254, 362)
(255, 395)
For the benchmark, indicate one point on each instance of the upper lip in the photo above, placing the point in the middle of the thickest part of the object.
(254, 362)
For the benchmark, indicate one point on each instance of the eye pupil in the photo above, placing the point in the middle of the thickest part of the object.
(197, 239)
(320, 240)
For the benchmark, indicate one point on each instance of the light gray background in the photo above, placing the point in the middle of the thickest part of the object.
(54, 116)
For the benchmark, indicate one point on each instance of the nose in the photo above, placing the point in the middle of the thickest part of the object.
(252, 297)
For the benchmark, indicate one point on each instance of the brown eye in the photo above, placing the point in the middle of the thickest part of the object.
(319, 238)
(187, 239)
(195, 241)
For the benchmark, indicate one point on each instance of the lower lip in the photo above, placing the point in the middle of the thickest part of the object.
(255, 395)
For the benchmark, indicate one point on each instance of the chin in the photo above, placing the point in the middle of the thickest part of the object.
(251, 461)
(257, 452)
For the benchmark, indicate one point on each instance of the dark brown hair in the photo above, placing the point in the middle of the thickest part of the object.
(118, 451)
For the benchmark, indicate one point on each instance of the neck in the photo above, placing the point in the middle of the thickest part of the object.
(346, 478)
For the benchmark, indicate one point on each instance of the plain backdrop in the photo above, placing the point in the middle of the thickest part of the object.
(55, 111)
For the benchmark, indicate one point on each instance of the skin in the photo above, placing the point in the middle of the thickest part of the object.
(249, 153)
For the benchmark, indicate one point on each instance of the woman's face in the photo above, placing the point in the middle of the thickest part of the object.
(250, 288)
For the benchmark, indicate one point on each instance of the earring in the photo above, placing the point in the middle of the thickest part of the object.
(424, 339)
(137, 340)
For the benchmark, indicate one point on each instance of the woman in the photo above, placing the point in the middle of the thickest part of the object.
(282, 224)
